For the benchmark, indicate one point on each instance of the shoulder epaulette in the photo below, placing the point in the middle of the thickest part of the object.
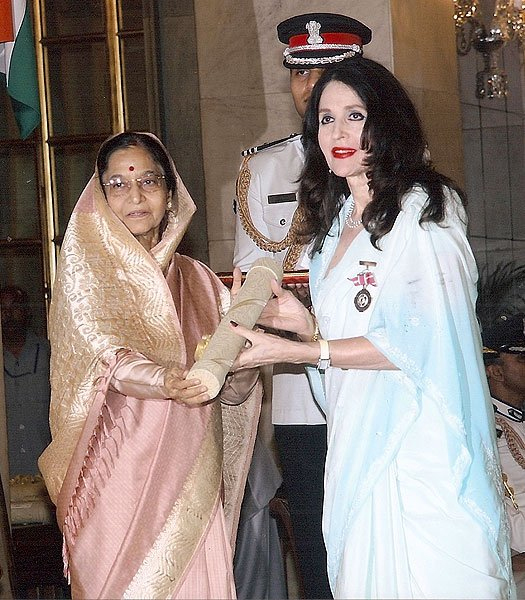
(256, 149)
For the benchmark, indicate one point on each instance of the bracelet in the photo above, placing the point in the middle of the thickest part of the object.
(315, 335)
(324, 358)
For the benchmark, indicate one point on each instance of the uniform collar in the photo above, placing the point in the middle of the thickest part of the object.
(508, 411)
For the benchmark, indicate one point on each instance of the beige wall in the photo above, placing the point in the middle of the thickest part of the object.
(424, 59)
(244, 92)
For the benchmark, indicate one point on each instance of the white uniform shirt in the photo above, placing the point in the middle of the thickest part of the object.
(515, 475)
(272, 201)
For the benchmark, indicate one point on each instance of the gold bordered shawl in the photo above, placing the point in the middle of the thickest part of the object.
(109, 294)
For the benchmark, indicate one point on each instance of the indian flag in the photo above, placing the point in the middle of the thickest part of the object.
(18, 65)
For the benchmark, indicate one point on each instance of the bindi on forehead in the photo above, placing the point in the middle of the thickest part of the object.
(131, 168)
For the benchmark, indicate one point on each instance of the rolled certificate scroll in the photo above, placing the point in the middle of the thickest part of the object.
(224, 345)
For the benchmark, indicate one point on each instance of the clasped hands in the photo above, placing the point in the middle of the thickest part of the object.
(190, 391)
(184, 391)
(284, 312)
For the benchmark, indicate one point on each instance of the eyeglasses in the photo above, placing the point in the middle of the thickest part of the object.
(149, 184)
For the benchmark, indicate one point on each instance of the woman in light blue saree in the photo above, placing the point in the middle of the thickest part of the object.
(413, 494)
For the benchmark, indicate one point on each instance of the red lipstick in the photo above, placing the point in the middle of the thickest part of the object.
(338, 152)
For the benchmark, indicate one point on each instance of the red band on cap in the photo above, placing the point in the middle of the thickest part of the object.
(345, 39)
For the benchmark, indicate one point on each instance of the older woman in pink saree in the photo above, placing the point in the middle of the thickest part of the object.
(147, 499)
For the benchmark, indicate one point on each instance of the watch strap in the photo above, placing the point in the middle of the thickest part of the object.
(324, 358)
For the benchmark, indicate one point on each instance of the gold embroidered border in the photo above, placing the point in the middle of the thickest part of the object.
(514, 441)
(162, 569)
(263, 242)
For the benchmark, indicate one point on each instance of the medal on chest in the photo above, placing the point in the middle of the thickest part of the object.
(363, 279)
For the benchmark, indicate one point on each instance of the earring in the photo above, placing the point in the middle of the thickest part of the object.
(330, 171)
(169, 205)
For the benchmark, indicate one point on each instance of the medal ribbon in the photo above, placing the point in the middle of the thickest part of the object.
(363, 279)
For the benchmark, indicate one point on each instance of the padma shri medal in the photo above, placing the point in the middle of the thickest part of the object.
(363, 298)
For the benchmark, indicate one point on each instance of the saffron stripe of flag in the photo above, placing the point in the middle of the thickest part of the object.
(6, 22)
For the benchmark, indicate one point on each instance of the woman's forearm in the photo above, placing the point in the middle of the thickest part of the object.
(139, 377)
(351, 353)
(358, 353)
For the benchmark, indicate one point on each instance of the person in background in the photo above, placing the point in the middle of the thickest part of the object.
(413, 505)
(504, 356)
(136, 461)
(266, 215)
(26, 380)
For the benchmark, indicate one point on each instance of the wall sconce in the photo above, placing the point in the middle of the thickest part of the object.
(508, 23)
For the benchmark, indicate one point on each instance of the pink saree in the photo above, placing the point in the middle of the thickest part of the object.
(147, 498)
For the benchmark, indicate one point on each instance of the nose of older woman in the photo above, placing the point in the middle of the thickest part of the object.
(136, 195)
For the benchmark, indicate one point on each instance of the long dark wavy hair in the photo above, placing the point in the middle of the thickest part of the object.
(397, 158)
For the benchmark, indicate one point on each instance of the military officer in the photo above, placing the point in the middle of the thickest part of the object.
(267, 184)
(504, 356)
(266, 217)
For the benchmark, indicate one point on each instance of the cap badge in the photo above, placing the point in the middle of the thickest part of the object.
(313, 28)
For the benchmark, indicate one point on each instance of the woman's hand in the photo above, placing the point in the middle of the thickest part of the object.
(288, 313)
(300, 291)
(236, 285)
(268, 349)
(186, 391)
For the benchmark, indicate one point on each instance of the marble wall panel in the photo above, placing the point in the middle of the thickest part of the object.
(496, 116)
(181, 8)
(512, 63)
(496, 179)
(470, 116)
(227, 42)
(473, 165)
(516, 154)
(489, 253)
(468, 66)
(222, 251)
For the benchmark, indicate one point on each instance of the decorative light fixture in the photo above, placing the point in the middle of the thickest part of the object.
(508, 23)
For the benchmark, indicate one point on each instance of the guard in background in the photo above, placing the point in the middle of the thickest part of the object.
(504, 357)
(26, 378)
(266, 220)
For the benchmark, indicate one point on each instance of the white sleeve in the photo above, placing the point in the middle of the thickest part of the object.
(246, 251)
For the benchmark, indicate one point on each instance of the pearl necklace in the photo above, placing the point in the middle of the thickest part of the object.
(348, 219)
